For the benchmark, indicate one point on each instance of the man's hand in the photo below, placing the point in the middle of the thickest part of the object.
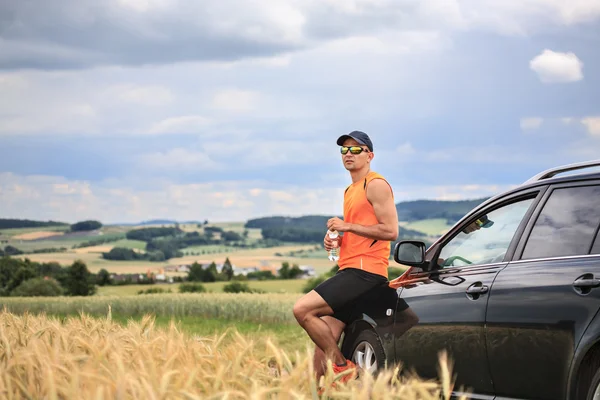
(331, 243)
(336, 224)
(472, 227)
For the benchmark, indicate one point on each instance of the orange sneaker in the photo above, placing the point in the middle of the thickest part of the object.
(349, 370)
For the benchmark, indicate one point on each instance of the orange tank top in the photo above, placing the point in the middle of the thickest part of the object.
(358, 251)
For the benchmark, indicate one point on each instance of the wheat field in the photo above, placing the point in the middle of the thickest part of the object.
(271, 308)
(95, 358)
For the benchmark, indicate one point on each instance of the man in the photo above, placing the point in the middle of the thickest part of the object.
(370, 223)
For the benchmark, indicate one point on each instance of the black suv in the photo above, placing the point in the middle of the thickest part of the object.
(511, 292)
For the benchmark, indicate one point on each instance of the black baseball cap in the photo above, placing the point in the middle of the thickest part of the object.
(359, 136)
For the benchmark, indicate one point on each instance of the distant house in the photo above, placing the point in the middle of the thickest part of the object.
(177, 268)
(163, 278)
(244, 270)
(183, 268)
(308, 270)
(133, 278)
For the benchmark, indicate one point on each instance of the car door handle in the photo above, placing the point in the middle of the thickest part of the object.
(477, 289)
(587, 283)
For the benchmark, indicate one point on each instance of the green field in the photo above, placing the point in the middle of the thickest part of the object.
(20, 231)
(130, 244)
(209, 249)
(252, 307)
(432, 227)
(274, 286)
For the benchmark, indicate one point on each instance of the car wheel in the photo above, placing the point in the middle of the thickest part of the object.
(594, 390)
(367, 352)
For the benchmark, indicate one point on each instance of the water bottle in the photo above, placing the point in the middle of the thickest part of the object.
(334, 253)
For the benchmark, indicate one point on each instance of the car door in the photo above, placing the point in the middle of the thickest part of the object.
(542, 302)
(450, 301)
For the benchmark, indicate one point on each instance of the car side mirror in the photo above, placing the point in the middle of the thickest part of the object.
(411, 253)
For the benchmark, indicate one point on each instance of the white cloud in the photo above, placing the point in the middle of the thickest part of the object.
(141, 32)
(58, 198)
(556, 67)
(593, 125)
(528, 124)
(268, 153)
(189, 124)
(388, 43)
(178, 159)
(143, 6)
(65, 118)
(12, 81)
(566, 120)
(236, 100)
(405, 149)
(148, 95)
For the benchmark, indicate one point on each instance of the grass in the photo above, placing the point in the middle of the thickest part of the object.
(20, 231)
(269, 308)
(274, 286)
(82, 357)
(130, 244)
(291, 337)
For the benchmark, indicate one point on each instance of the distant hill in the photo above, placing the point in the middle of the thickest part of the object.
(304, 222)
(407, 211)
(7, 223)
(309, 228)
(430, 209)
(157, 222)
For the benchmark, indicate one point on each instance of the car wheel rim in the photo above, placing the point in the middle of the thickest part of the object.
(364, 357)
(596, 395)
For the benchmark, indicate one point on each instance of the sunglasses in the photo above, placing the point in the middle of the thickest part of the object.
(352, 149)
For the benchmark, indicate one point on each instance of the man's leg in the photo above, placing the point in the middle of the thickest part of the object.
(320, 361)
(308, 310)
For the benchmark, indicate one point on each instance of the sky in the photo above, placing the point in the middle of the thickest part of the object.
(130, 110)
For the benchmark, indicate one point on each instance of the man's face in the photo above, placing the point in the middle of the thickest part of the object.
(356, 161)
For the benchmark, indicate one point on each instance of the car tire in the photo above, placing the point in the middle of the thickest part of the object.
(594, 389)
(367, 352)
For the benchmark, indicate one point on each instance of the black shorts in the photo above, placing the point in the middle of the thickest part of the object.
(342, 291)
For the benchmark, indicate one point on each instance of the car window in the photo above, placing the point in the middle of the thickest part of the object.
(486, 240)
(567, 224)
(596, 245)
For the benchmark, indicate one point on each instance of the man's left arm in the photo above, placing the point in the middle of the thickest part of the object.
(380, 196)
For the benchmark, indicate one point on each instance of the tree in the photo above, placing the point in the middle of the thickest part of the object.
(38, 287)
(196, 273)
(24, 272)
(295, 272)
(284, 271)
(211, 273)
(88, 225)
(78, 280)
(227, 269)
(191, 288)
(103, 277)
(231, 236)
(12, 251)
